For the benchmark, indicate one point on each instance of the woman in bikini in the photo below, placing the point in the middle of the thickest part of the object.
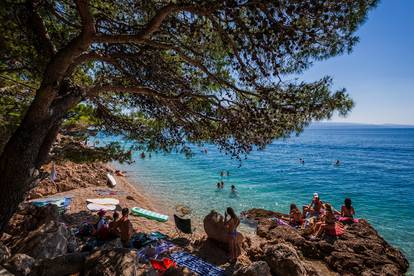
(231, 225)
(295, 217)
(347, 212)
(328, 224)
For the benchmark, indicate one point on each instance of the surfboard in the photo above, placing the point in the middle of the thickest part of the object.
(103, 201)
(111, 180)
(141, 212)
(98, 207)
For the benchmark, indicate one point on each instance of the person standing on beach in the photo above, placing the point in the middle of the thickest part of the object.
(231, 226)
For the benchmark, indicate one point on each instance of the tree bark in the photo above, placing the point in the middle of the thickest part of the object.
(47, 145)
(18, 163)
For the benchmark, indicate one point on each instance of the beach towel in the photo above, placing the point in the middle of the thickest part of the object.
(154, 249)
(61, 202)
(103, 201)
(348, 220)
(106, 192)
(337, 231)
(196, 264)
(98, 207)
(280, 222)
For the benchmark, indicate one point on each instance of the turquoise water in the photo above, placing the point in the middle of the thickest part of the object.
(376, 171)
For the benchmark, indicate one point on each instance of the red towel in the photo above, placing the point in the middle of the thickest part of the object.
(162, 266)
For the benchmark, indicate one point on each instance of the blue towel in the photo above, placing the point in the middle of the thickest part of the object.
(196, 264)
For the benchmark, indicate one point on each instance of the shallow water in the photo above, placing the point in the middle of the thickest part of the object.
(376, 171)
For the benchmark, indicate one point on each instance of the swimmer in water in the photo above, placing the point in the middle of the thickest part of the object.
(233, 189)
(337, 163)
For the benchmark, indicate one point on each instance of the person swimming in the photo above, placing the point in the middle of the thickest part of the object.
(233, 189)
(337, 163)
(222, 184)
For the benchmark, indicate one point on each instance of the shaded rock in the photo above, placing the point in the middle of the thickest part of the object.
(260, 268)
(4, 253)
(4, 272)
(119, 261)
(284, 260)
(47, 241)
(215, 229)
(20, 264)
(116, 243)
(62, 265)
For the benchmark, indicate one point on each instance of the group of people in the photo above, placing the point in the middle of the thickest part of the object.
(220, 186)
(336, 163)
(321, 217)
(105, 229)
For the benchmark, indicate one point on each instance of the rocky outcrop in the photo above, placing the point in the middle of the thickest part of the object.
(5, 253)
(360, 251)
(120, 261)
(260, 268)
(70, 176)
(20, 264)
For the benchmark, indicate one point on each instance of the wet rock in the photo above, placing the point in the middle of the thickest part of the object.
(119, 261)
(260, 268)
(20, 264)
(5, 253)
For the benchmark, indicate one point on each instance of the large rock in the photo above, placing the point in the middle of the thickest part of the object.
(359, 251)
(114, 262)
(260, 268)
(4, 253)
(62, 265)
(20, 264)
(283, 260)
(47, 241)
(215, 229)
(4, 272)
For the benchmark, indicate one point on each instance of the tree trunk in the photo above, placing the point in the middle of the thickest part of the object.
(18, 163)
(47, 145)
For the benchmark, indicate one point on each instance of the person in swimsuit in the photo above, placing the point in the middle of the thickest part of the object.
(231, 225)
(316, 205)
(295, 217)
(347, 210)
(327, 224)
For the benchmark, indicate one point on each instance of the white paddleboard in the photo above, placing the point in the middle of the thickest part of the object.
(111, 180)
(103, 201)
(98, 207)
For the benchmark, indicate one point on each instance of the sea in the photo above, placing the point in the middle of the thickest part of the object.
(376, 171)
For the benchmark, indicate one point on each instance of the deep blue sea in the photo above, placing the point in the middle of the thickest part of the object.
(376, 172)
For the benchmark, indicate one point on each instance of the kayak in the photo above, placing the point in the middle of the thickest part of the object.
(103, 201)
(141, 212)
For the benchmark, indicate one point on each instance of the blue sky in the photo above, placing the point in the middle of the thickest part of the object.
(379, 73)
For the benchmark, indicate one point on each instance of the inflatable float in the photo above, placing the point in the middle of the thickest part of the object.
(141, 212)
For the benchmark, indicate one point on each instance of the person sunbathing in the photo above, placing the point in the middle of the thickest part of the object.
(327, 224)
(101, 227)
(347, 210)
(112, 230)
(295, 217)
(124, 226)
(316, 206)
(231, 226)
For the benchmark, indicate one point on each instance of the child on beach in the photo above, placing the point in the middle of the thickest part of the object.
(316, 206)
(124, 226)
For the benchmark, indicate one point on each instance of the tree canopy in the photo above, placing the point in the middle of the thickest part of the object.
(169, 73)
